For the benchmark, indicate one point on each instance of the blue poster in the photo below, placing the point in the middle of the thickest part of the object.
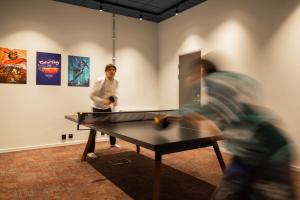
(79, 71)
(48, 68)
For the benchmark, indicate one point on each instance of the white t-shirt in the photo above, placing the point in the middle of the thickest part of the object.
(102, 89)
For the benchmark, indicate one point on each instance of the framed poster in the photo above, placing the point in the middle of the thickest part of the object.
(48, 70)
(13, 66)
(79, 71)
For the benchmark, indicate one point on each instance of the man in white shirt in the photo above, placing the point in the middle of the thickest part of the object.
(104, 97)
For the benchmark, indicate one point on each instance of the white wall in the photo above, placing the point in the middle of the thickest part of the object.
(260, 36)
(33, 114)
(137, 56)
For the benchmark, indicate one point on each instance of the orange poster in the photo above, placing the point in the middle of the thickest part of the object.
(13, 65)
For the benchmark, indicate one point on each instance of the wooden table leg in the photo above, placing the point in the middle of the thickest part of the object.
(90, 142)
(219, 156)
(156, 182)
(137, 148)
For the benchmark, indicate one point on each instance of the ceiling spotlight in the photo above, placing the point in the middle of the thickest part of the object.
(100, 8)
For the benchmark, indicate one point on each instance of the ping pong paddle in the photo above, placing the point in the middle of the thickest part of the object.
(112, 99)
(161, 122)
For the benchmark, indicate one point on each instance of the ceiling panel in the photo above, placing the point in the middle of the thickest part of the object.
(152, 10)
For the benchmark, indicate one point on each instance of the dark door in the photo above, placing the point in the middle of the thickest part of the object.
(187, 95)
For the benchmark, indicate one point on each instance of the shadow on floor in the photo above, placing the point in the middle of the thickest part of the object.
(136, 178)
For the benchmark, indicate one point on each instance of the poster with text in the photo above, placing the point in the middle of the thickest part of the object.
(79, 71)
(13, 66)
(48, 70)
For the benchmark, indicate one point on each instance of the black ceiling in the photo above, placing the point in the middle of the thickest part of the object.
(151, 10)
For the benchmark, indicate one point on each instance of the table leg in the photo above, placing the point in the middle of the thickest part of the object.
(90, 143)
(219, 155)
(156, 182)
(137, 148)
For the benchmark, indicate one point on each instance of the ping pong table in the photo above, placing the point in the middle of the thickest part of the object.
(137, 127)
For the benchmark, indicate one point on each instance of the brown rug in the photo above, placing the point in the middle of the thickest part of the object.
(133, 173)
(58, 173)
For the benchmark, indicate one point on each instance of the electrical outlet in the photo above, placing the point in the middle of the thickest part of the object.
(70, 136)
(63, 136)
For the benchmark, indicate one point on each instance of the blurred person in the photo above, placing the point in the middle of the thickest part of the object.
(261, 153)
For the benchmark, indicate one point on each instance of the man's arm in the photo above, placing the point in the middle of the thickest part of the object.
(195, 120)
(203, 124)
(94, 95)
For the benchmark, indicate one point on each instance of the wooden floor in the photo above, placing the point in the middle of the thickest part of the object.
(58, 173)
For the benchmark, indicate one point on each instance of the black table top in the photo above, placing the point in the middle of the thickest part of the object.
(172, 139)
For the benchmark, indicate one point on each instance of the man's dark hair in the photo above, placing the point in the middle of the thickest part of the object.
(208, 66)
(109, 66)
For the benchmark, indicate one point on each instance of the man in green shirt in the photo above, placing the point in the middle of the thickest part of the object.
(261, 153)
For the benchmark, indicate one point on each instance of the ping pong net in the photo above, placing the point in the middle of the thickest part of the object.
(118, 117)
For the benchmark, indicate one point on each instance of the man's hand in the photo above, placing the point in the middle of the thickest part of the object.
(106, 102)
(202, 123)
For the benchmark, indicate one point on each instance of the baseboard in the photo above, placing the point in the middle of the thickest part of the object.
(295, 168)
(49, 145)
(224, 150)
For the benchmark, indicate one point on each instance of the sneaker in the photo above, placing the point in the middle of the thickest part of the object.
(92, 155)
(115, 145)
